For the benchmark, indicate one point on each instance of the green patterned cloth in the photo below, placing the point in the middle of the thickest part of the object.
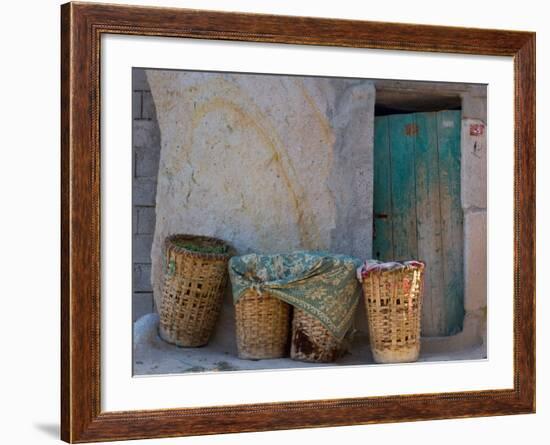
(322, 284)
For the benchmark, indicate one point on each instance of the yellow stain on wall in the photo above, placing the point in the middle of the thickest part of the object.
(309, 235)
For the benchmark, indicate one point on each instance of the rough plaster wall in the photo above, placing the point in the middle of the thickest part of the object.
(270, 163)
(146, 153)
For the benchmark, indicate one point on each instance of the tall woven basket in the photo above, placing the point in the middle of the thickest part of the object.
(263, 325)
(311, 341)
(195, 277)
(393, 301)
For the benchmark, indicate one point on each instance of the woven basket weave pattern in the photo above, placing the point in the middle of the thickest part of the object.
(393, 300)
(263, 325)
(194, 284)
(311, 341)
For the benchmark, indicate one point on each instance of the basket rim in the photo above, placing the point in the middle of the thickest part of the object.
(169, 243)
(370, 267)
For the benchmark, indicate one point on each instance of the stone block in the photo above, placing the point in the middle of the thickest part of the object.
(474, 107)
(472, 336)
(145, 220)
(474, 164)
(139, 79)
(146, 162)
(144, 191)
(475, 89)
(475, 260)
(141, 252)
(145, 134)
(136, 104)
(134, 220)
(142, 304)
(268, 163)
(142, 278)
(148, 110)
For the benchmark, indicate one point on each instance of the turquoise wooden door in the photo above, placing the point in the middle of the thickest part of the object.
(417, 211)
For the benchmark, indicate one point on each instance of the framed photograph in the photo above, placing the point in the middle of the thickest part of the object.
(274, 222)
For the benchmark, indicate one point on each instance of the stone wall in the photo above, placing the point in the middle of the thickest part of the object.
(146, 153)
(244, 119)
(268, 163)
(474, 206)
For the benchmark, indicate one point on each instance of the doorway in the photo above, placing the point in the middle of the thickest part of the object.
(417, 208)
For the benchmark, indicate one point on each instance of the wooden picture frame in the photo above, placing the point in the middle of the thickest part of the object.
(82, 26)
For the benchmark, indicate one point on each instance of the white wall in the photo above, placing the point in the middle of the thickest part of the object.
(29, 175)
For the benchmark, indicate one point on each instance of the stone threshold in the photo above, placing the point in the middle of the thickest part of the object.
(153, 356)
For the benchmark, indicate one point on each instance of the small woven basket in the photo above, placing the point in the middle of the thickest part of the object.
(263, 325)
(311, 341)
(393, 300)
(195, 278)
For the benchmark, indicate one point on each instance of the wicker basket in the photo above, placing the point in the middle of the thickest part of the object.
(311, 341)
(263, 325)
(195, 278)
(393, 300)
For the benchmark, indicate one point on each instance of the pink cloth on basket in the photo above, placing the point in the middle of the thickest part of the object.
(377, 266)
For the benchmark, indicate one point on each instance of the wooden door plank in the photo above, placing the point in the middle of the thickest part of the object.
(428, 223)
(383, 236)
(448, 128)
(402, 141)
